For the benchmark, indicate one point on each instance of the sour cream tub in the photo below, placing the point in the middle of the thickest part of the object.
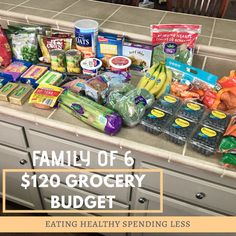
(86, 32)
(119, 63)
(91, 66)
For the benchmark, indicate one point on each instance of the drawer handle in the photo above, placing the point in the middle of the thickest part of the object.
(77, 158)
(142, 200)
(23, 161)
(200, 195)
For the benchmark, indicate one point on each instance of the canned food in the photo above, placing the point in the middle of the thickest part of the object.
(58, 60)
(73, 59)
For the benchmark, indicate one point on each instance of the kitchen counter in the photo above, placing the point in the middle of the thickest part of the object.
(130, 138)
(216, 45)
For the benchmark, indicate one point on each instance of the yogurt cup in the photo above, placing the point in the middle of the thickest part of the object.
(91, 66)
(119, 63)
(86, 32)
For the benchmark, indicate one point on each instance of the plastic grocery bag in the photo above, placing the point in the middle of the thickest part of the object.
(174, 41)
(129, 102)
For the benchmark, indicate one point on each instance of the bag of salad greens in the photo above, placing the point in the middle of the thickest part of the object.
(174, 41)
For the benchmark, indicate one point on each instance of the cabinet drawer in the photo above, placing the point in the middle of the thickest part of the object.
(41, 142)
(47, 206)
(146, 200)
(12, 135)
(15, 159)
(122, 194)
(64, 190)
(187, 188)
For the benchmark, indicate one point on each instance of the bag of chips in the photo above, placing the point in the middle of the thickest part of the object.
(5, 50)
(60, 41)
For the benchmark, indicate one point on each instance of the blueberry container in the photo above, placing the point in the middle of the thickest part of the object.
(191, 111)
(217, 120)
(155, 120)
(168, 103)
(205, 140)
(179, 130)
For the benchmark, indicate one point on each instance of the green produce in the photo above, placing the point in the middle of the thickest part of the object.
(228, 143)
(91, 112)
(129, 102)
(229, 158)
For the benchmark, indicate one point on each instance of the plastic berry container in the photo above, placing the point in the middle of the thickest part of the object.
(168, 103)
(192, 111)
(217, 120)
(155, 120)
(205, 140)
(179, 130)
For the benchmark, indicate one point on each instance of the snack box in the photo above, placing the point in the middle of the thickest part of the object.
(33, 74)
(191, 111)
(155, 120)
(16, 69)
(108, 45)
(140, 55)
(45, 96)
(51, 78)
(168, 103)
(205, 140)
(216, 119)
(6, 90)
(20, 94)
(179, 130)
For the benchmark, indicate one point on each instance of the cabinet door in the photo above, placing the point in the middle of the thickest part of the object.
(14, 159)
(146, 200)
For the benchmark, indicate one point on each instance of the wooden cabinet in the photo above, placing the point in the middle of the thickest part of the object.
(14, 159)
(195, 191)
(147, 200)
(12, 135)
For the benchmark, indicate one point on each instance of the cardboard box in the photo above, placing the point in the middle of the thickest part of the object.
(6, 90)
(140, 54)
(20, 94)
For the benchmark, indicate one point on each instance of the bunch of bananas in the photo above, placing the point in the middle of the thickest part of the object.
(156, 80)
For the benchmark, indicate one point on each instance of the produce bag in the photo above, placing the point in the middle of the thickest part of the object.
(24, 43)
(225, 97)
(5, 50)
(90, 112)
(174, 41)
(228, 144)
(190, 82)
(129, 102)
